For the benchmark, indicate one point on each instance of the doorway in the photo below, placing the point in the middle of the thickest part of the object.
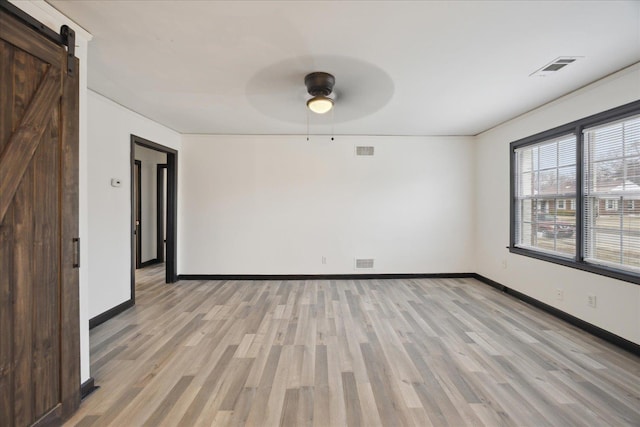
(153, 243)
(146, 191)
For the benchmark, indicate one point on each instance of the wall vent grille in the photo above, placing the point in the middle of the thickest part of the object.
(555, 65)
(364, 263)
(364, 150)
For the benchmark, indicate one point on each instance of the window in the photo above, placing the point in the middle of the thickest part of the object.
(546, 176)
(574, 191)
(612, 175)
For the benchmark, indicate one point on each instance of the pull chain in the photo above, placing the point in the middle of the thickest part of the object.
(333, 122)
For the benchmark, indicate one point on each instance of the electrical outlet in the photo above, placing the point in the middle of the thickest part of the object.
(559, 294)
(504, 263)
(324, 260)
(591, 301)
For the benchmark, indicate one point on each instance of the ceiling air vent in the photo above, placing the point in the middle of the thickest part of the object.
(364, 151)
(364, 262)
(555, 66)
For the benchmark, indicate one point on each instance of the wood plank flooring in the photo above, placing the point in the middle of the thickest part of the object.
(415, 352)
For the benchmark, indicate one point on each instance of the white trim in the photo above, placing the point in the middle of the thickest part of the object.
(611, 204)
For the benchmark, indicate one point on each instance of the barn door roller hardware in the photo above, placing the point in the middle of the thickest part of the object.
(67, 36)
(69, 40)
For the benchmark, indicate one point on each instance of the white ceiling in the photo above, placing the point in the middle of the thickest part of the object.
(401, 68)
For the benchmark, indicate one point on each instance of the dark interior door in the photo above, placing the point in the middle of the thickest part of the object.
(39, 320)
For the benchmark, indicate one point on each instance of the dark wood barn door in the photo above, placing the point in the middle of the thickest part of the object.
(39, 320)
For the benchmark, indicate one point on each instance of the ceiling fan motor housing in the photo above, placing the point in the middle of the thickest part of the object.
(319, 83)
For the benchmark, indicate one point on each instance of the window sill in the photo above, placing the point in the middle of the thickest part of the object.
(584, 266)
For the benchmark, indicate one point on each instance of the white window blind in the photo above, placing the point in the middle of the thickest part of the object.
(612, 188)
(545, 180)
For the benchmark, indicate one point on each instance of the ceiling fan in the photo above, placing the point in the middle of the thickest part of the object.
(277, 92)
(320, 86)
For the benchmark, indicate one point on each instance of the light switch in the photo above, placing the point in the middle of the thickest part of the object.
(115, 182)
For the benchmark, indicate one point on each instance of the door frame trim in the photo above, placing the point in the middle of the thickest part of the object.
(136, 187)
(161, 169)
(172, 209)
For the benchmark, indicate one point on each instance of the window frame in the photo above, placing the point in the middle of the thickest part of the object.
(611, 205)
(576, 128)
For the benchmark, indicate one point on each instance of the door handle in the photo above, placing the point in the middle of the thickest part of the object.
(76, 252)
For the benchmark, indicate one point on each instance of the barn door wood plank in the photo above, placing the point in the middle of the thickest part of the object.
(6, 319)
(69, 297)
(46, 267)
(23, 305)
(6, 89)
(17, 154)
(6, 248)
(28, 73)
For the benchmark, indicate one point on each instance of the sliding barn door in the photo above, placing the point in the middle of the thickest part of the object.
(39, 320)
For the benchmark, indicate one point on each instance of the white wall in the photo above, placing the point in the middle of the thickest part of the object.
(618, 303)
(278, 204)
(109, 208)
(150, 159)
(53, 19)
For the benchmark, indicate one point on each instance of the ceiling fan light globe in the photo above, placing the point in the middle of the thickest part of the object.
(320, 104)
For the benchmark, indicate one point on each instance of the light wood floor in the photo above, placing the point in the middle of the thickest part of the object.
(367, 352)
